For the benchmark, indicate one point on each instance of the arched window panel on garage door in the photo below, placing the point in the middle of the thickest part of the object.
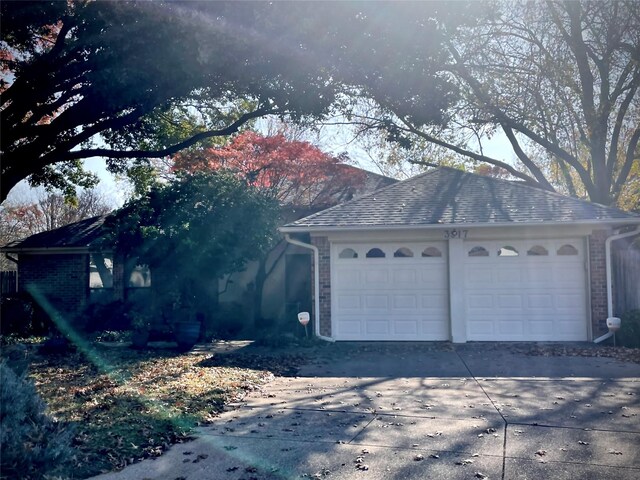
(431, 252)
(375, 253)
(403, 252)
(348, 253)
(537, 251)
(478, 251)
(567, 249)
(507, 251)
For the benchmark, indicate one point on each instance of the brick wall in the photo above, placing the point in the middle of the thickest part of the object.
(598, 278)
(62, 280)
(325, 283)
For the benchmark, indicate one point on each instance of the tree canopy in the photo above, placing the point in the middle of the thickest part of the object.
(85, 79)
(294, 172)
(194, 229)
(558, 79)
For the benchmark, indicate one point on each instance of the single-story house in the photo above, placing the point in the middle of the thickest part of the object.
(70, 268)
(449, 255)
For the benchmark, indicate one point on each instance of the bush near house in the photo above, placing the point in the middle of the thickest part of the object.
(22, 316)
(629, 334)
(33, 445)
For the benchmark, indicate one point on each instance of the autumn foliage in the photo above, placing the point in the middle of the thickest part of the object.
(296, 172)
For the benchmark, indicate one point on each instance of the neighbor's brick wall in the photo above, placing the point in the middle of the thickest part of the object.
(598, 277)
(325, 283)
(63, 280)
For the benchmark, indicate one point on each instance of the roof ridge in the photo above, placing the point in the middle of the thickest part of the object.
(364, 197)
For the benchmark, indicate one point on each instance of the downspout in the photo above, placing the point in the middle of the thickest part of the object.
(607, 258)
(316, 283)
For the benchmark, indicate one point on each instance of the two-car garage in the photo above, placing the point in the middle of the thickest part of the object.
(452, 255)
(525, 290)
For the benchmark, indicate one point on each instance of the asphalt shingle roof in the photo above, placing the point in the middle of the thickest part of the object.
(75, 235)
(450, 196)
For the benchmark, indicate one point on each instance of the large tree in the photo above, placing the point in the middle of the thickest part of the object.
(191, 231)
(558, 79)
(297, 174)
(84, 79)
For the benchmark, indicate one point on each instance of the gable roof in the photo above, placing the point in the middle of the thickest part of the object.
(75, 236)
(446, 196)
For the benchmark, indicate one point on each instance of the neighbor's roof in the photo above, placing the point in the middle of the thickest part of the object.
(446, 196)
(78, 236)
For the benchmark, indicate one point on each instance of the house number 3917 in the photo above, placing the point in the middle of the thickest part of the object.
(456, 233)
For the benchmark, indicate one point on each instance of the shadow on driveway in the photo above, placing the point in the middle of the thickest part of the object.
(427, 410)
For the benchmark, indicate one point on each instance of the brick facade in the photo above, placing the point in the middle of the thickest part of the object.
(325, 283)
(60, 280)
(598, 282)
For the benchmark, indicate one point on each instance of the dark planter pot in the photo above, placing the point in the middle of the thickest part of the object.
(139, 338)
(186, 334)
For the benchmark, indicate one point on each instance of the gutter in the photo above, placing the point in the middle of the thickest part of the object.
(316, 284)
(607, 256)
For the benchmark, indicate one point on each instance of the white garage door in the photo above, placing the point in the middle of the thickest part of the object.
(390, 292)
(526, 290)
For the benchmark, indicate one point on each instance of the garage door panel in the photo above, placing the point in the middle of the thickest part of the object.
(405, 327)
(400, 298)
(508, 275)
(435, 302)
(349, 327)
(405, 275)
(376, 277)
(526, 297)
(569, 275)
(346, 278)
(569, 301)
(377, 327)
(433, 275)
(349, 302)
(405, 302)
(509, 301)
(510, 327)
(376, 302)
(479, 301)
(540, 301)
(476, 275)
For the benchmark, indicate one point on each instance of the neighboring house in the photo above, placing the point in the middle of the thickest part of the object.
(65, 267)
(69, 268)
(448, 255)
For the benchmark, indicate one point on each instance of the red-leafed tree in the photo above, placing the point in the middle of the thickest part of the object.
(297, 173)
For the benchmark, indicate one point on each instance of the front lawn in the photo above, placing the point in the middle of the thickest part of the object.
(126, 405)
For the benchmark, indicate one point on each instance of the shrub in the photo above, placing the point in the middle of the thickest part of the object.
(33, 444)
(629, 333)
(22, 316)
(106, 316)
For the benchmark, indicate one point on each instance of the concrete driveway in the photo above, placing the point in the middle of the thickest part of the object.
(421, 411)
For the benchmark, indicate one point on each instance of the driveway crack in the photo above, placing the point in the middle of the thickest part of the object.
(506, 423)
